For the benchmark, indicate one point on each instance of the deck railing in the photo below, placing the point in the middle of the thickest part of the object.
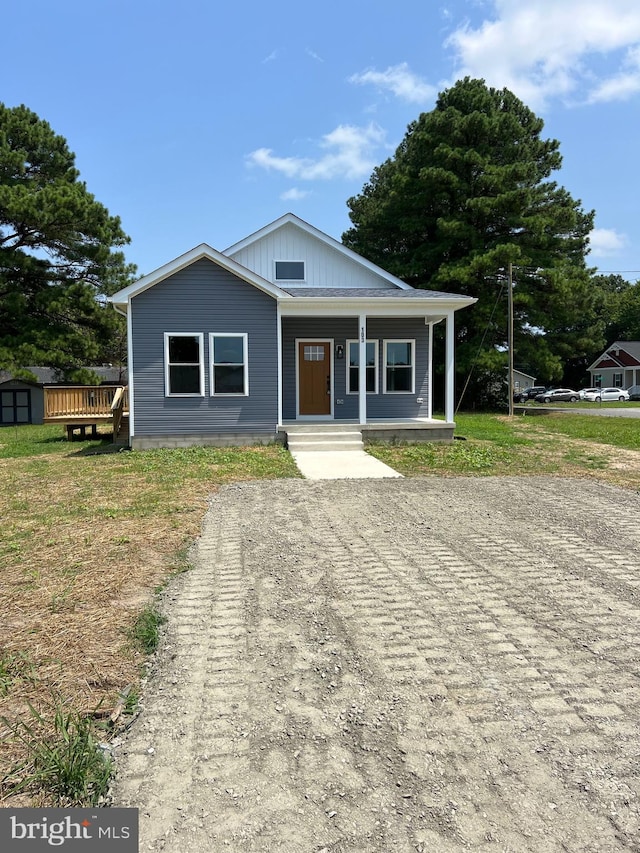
(79, 401)
(119, 405)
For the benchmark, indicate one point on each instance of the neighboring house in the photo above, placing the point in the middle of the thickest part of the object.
(22, 402)
(228, 347)
(618, 366)
(522, 381)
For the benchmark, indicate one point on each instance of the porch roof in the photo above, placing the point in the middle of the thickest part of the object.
(433, 305)
(372, 293)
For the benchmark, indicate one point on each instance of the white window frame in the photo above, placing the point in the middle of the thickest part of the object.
(290, 261)
(212, 364)
(617, 380)
(375, 343)
(597, 380)
(385, 365)
(168, 364)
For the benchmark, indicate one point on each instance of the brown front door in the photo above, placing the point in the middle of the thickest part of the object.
(314, 377)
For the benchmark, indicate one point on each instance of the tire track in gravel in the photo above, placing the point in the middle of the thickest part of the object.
(379, 665)
(505, 646)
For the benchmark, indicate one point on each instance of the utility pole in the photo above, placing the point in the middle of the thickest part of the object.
(510, 337)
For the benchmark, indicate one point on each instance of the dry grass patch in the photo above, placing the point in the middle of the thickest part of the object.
(86, 540)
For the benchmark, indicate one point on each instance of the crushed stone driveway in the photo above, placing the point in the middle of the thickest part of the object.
(398, 665)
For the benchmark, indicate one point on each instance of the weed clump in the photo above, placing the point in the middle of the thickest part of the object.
(65, 763)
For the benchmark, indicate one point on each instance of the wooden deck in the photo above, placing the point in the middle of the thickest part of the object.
(80, 407)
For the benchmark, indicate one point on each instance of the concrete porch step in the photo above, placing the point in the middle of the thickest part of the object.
(324, 437)
(332, 427)
(299, 445)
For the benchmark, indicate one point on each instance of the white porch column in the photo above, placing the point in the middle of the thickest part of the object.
(449, 369)
(362, 369)
(430, 372)
(279, 344)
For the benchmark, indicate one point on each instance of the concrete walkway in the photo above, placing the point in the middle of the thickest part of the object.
(341, 465)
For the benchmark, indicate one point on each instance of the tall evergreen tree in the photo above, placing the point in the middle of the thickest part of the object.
(619, 308)
(58, 251)
(468, 192)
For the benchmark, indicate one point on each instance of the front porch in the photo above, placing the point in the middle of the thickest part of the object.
(343, 434)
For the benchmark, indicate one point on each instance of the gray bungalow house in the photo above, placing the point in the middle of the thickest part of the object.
(618, 366)
(238, 346)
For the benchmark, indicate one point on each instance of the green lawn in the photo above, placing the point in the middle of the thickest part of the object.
(554, 443)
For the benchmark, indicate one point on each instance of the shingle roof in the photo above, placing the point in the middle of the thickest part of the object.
(51, 376)
(370, 293)
(632, 347)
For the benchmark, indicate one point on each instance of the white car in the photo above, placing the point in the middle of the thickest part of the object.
(584, 391)
(604, 394)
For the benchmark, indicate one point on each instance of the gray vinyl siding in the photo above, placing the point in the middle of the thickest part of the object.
(342, 329)
(204, 298)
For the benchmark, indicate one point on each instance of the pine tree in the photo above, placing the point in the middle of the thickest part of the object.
(59, 251)
(468, 192)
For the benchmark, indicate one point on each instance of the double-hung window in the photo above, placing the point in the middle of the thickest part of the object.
(183, 364)
(399, 367)
(353, 367)
(229, 364)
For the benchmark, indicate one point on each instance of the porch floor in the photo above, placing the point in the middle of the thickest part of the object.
(411, 430)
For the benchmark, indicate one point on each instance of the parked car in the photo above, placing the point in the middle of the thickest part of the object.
(584, 391)
(558, 395)
(634, 392)
(603, 394)
(528, 393)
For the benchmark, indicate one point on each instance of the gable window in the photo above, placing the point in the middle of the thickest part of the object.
(183, 364)
(290, 271)
(229, 364)
(399, 367)
(353, 368)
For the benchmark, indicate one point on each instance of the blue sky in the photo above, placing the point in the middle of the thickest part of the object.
(203, 121)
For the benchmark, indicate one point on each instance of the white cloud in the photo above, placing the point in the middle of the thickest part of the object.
(399, 80)
(605, 242)
(348, 154)
(294, 194)
(314, 55)
(623, 85)
(573, 49)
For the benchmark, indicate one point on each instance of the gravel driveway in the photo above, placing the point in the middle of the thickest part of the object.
(398, 665)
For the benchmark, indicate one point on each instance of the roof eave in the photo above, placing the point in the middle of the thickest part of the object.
(437, 301)
(291, 304)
